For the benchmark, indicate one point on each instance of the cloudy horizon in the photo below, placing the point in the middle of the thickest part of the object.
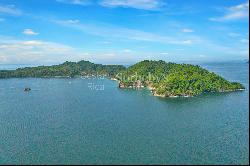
(123, 31)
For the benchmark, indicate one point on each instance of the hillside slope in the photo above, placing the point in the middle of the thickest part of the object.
(67, 69)
(171, 79)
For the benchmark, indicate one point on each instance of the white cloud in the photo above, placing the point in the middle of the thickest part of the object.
(3, 59)
(187, 42)
(237, 12)
(202, 56)
(235, 15)
(119, 33)
(109, 55)
(29, 32)
(187, 30)
(10, 9)
(116, 57)
(106, 42)
(232, 34)
(32, 43)
(244, 41)
(240, 7)
(127, 50)
(137, 4)
(164, 53)
(75, 2)
(72, 21)
(245, 52)
(14, 51)
(33, 51)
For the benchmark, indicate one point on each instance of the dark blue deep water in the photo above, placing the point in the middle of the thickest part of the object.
(65, 121)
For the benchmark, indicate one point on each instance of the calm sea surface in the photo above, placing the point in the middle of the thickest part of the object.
(91, 121)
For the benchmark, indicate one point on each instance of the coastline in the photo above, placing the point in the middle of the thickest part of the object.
(136, 87)
(152, 90)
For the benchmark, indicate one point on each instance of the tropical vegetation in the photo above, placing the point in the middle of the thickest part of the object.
(171, 79)
(163, 78)
(67, 69)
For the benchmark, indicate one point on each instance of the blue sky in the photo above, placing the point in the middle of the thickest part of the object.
(123, 31)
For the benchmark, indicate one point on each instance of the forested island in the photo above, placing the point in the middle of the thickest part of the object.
(66, 69)
(164, 79)
(174, 80)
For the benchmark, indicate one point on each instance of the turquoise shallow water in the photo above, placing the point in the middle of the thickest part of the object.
(63, 121)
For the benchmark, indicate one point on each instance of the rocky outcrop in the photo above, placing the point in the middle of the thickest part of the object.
(135, 85)
(138, 84)
(121, 85)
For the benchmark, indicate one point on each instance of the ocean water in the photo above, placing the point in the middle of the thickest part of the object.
(91, 121)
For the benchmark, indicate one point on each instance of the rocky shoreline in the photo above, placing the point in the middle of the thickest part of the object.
(138, 85)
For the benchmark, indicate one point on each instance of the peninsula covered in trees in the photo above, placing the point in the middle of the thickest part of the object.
(162, 78)
(173, 80)
(67, 69)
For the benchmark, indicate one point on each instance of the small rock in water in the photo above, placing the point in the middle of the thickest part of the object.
(27, 89)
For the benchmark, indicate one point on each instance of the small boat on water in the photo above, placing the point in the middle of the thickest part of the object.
(27, 89)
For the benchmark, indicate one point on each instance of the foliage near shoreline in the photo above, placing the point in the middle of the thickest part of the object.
(67, 69)
(164, 79)
(170, 79)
